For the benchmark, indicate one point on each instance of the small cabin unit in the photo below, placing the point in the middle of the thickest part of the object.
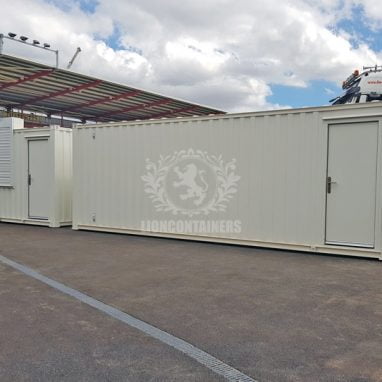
(35, 174)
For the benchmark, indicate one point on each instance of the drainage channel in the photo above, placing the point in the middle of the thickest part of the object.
(209, 361)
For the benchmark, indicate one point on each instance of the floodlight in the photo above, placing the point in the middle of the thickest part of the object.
(27, 41)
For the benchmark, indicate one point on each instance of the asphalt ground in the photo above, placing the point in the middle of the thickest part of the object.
(274, 315)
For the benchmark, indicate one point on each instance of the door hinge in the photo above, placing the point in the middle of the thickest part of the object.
(29, 179)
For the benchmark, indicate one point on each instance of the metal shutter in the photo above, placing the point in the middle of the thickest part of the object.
(6, 155)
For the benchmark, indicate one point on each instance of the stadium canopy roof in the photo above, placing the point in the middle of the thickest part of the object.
(33, 87)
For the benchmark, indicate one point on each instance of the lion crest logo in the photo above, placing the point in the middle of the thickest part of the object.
(190, 182)
(188, 179)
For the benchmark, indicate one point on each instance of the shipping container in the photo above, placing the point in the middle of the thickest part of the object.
(35, 174)
(300, 179)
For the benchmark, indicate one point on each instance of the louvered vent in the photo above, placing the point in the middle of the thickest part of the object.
(6, 155)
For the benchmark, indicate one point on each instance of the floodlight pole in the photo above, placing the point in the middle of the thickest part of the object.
(2, 37)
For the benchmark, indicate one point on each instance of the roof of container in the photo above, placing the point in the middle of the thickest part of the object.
(343, 111)
(34, 87)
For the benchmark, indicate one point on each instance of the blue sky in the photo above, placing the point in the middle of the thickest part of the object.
(236, 55)
(316, 93)
(361, 28)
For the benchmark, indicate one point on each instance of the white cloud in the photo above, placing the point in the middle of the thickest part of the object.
(225, 53)
(205, 54)
(373, 11)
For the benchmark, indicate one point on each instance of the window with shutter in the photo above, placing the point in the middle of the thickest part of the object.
(6, 155)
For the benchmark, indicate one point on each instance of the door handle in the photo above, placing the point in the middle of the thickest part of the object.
(329, 183)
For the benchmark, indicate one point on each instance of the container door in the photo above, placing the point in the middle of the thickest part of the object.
(38, 179)
(351, 184)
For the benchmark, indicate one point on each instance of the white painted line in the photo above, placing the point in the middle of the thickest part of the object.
(214, 364)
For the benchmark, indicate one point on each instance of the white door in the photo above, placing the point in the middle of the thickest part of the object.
(38, 179)
(351, 184)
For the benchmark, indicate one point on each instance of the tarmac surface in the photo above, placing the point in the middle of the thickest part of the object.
(274, 315)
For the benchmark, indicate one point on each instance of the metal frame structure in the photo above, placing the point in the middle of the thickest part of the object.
(27, 86)
(34, 44)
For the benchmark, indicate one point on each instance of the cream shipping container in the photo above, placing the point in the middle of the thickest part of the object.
(301, 179)
(35, 174)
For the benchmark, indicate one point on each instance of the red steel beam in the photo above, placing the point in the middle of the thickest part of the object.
(60, 93)
(32, 77)
(136, 107)
(103, 100)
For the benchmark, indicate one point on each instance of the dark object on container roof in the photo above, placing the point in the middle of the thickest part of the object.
(362, 87)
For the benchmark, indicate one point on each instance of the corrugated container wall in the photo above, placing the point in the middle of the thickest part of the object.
(40, 187)
(267, 178)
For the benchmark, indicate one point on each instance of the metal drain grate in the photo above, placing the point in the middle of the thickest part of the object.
(209, 361)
